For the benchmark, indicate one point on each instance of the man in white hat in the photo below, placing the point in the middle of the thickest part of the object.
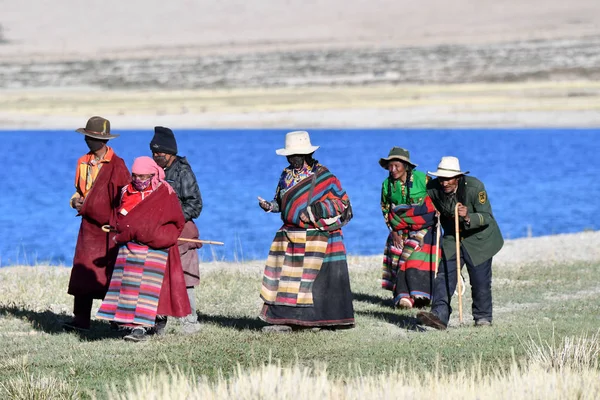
(480, 240)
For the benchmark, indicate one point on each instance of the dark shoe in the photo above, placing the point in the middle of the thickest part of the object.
(115, 326)
(432, 320)
(73, 326)
(421, 302)
(277, 329)
(137, 335)
(160, 326)
(483, 322)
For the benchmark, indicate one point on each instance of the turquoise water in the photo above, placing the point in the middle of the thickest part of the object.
(543, 181)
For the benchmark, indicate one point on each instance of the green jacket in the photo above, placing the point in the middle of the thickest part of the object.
(481, 238)
(418, 191)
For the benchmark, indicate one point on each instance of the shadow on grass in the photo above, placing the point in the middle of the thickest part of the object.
(369, 298)
(51, 323)
(408, 322)
(239, 323)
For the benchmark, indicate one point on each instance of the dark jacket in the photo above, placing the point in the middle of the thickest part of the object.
(481, 238)
(183, 180)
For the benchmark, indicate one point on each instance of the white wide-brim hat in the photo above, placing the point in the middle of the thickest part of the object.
(449, 167)
(297, 142)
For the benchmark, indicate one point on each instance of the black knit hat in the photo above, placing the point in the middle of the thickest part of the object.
(163, 141)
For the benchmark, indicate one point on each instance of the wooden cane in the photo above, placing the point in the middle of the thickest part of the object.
(458, 278)
(437, 249)
(108, 228)
(201, 241)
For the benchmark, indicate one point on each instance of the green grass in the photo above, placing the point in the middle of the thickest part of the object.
(547, 302)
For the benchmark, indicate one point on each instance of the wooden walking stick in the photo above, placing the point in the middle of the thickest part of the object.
(108, 228)
(437, 249)
(458, 263)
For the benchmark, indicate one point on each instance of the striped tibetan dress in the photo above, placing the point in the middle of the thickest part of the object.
(135, 286)
(306, 281)
(409, 271)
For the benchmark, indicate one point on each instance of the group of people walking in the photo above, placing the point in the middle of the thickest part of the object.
(130, 254)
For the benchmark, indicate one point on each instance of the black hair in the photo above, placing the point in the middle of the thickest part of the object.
(310, 161)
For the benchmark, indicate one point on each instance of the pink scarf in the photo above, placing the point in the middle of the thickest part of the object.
(147, 166)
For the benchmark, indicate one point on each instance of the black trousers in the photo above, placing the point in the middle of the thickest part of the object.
(480, 277)
(82, 310)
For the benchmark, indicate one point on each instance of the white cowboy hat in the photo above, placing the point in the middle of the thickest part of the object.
(449, 167)
(297, 142)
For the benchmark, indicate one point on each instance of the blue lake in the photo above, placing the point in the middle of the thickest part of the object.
(539, 181)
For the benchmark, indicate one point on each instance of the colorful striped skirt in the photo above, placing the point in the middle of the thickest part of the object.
(134, 290)
(409, 272)
(330, 293)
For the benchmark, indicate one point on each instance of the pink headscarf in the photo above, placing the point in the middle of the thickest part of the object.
(147, 166)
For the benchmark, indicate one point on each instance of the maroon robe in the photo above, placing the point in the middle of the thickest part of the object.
(95, 254)
(157, 222)
(189, 256)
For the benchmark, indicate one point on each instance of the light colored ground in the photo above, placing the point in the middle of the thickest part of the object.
(564, 249)
(555, 104)
(52, 52)
(113, 28)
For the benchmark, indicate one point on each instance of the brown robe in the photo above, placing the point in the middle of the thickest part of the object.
(95, 254)
(189, 255)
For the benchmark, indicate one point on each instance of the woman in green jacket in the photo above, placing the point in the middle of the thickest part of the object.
(409, 254)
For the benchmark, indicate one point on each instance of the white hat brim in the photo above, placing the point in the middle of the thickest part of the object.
(444, 173)
(303, 150)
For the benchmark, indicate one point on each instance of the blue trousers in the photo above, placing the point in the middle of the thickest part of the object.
(480, 277)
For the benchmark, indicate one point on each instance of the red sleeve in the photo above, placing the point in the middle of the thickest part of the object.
(162, 224)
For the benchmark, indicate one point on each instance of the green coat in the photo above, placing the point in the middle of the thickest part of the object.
(418, 191)
(481, 238)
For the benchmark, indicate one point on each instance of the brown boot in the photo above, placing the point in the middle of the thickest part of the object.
(432, 320)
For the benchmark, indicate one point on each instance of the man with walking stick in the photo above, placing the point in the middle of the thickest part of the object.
(476, 236)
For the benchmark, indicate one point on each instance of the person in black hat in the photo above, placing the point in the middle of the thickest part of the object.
(179, 174)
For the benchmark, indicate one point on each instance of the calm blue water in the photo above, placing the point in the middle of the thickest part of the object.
(543, 180)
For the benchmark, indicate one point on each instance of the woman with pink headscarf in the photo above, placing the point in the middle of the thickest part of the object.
(148, 282)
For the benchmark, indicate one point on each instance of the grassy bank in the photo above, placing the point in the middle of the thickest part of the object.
(543, 304)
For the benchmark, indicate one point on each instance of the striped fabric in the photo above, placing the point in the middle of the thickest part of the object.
(299, 250)
(135, 286)
(294, 261)
(407, 270)
(329, 200)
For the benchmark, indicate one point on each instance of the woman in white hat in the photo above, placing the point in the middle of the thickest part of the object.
(306, 281)
(409, 254)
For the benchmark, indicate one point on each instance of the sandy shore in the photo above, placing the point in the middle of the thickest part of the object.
(545, 104)
(290, 64)
(564, 249)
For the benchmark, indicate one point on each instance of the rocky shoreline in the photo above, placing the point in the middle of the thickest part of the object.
(522, 61)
